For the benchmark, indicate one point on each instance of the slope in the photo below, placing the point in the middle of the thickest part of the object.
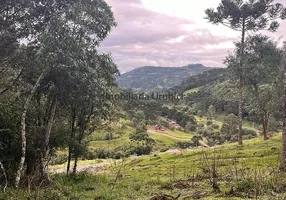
(149, 78)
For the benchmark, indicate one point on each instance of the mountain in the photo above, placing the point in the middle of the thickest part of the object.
(213, 77)
(149, 77)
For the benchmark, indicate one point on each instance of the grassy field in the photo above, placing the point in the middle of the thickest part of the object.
(228, 171)
(163, 140)
(192, 91)
(239, 172)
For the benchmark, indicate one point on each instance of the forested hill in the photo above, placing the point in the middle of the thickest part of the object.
(146, 78)
(213, 76)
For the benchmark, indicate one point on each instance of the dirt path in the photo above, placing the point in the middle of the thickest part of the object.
(92, 168)
(165, 133)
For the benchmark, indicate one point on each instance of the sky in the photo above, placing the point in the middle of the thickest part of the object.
(170, 33)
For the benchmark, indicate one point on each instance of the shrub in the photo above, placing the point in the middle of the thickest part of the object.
(90, 155)
(58, 160)
(200, 125)
(119, 155)
(190, 127)
(249, 134)
(103, 153)
(273, 125)
(140, 150)
(200, 113)
(184, 145)
(215, 126)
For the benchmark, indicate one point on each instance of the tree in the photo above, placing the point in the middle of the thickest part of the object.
(82, 72)
(144, 143)
(62, 74)
(252, 15)
(211, 112)
(283, 152)
(263, 60)
(230, 127)
(190, 127)
(262, 104)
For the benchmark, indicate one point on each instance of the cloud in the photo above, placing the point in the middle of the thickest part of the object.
(147, 36)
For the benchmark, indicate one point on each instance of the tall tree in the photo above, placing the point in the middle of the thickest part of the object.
(262, 61)
(263, 65)
(245, 16)
(64, 63)
(211, 112)
(283, 152)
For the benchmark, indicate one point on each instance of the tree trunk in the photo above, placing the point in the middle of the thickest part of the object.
(23, 129)
(49, 125)
(69, 160)
(283, 153)
(265, 120)
(241, 86)
(71, 138)
(240, 106)
(75, 164)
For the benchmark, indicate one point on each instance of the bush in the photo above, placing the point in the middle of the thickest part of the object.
(140, 150)
(184, 145)
(89, 155)
(190, 127)
(119, 155)
(102, 153)
(200, 113)
(200, 125)
(273, 125)
(58, 160)
(209, 123)
(249, 134)
(215, 126)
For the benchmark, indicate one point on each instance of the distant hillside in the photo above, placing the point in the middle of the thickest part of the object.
(213, 77)
(147, 78)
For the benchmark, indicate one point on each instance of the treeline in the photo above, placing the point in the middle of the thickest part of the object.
(51, 77)
(208, 77)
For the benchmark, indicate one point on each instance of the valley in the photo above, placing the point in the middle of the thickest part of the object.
(200, 112)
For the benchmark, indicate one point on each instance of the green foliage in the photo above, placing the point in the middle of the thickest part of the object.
(215, 126)
(229, 128)
(184, 145)
(180, 117)
(196, 140)
(249, 134)
(150, 78)
(251, 15)
(190, 127)
(9, 137)
(59, 71)
(211, 112)
(202, 79)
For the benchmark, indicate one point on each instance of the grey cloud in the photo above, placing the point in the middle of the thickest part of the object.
(141, 38)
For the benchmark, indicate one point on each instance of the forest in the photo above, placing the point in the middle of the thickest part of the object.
(224, 138)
